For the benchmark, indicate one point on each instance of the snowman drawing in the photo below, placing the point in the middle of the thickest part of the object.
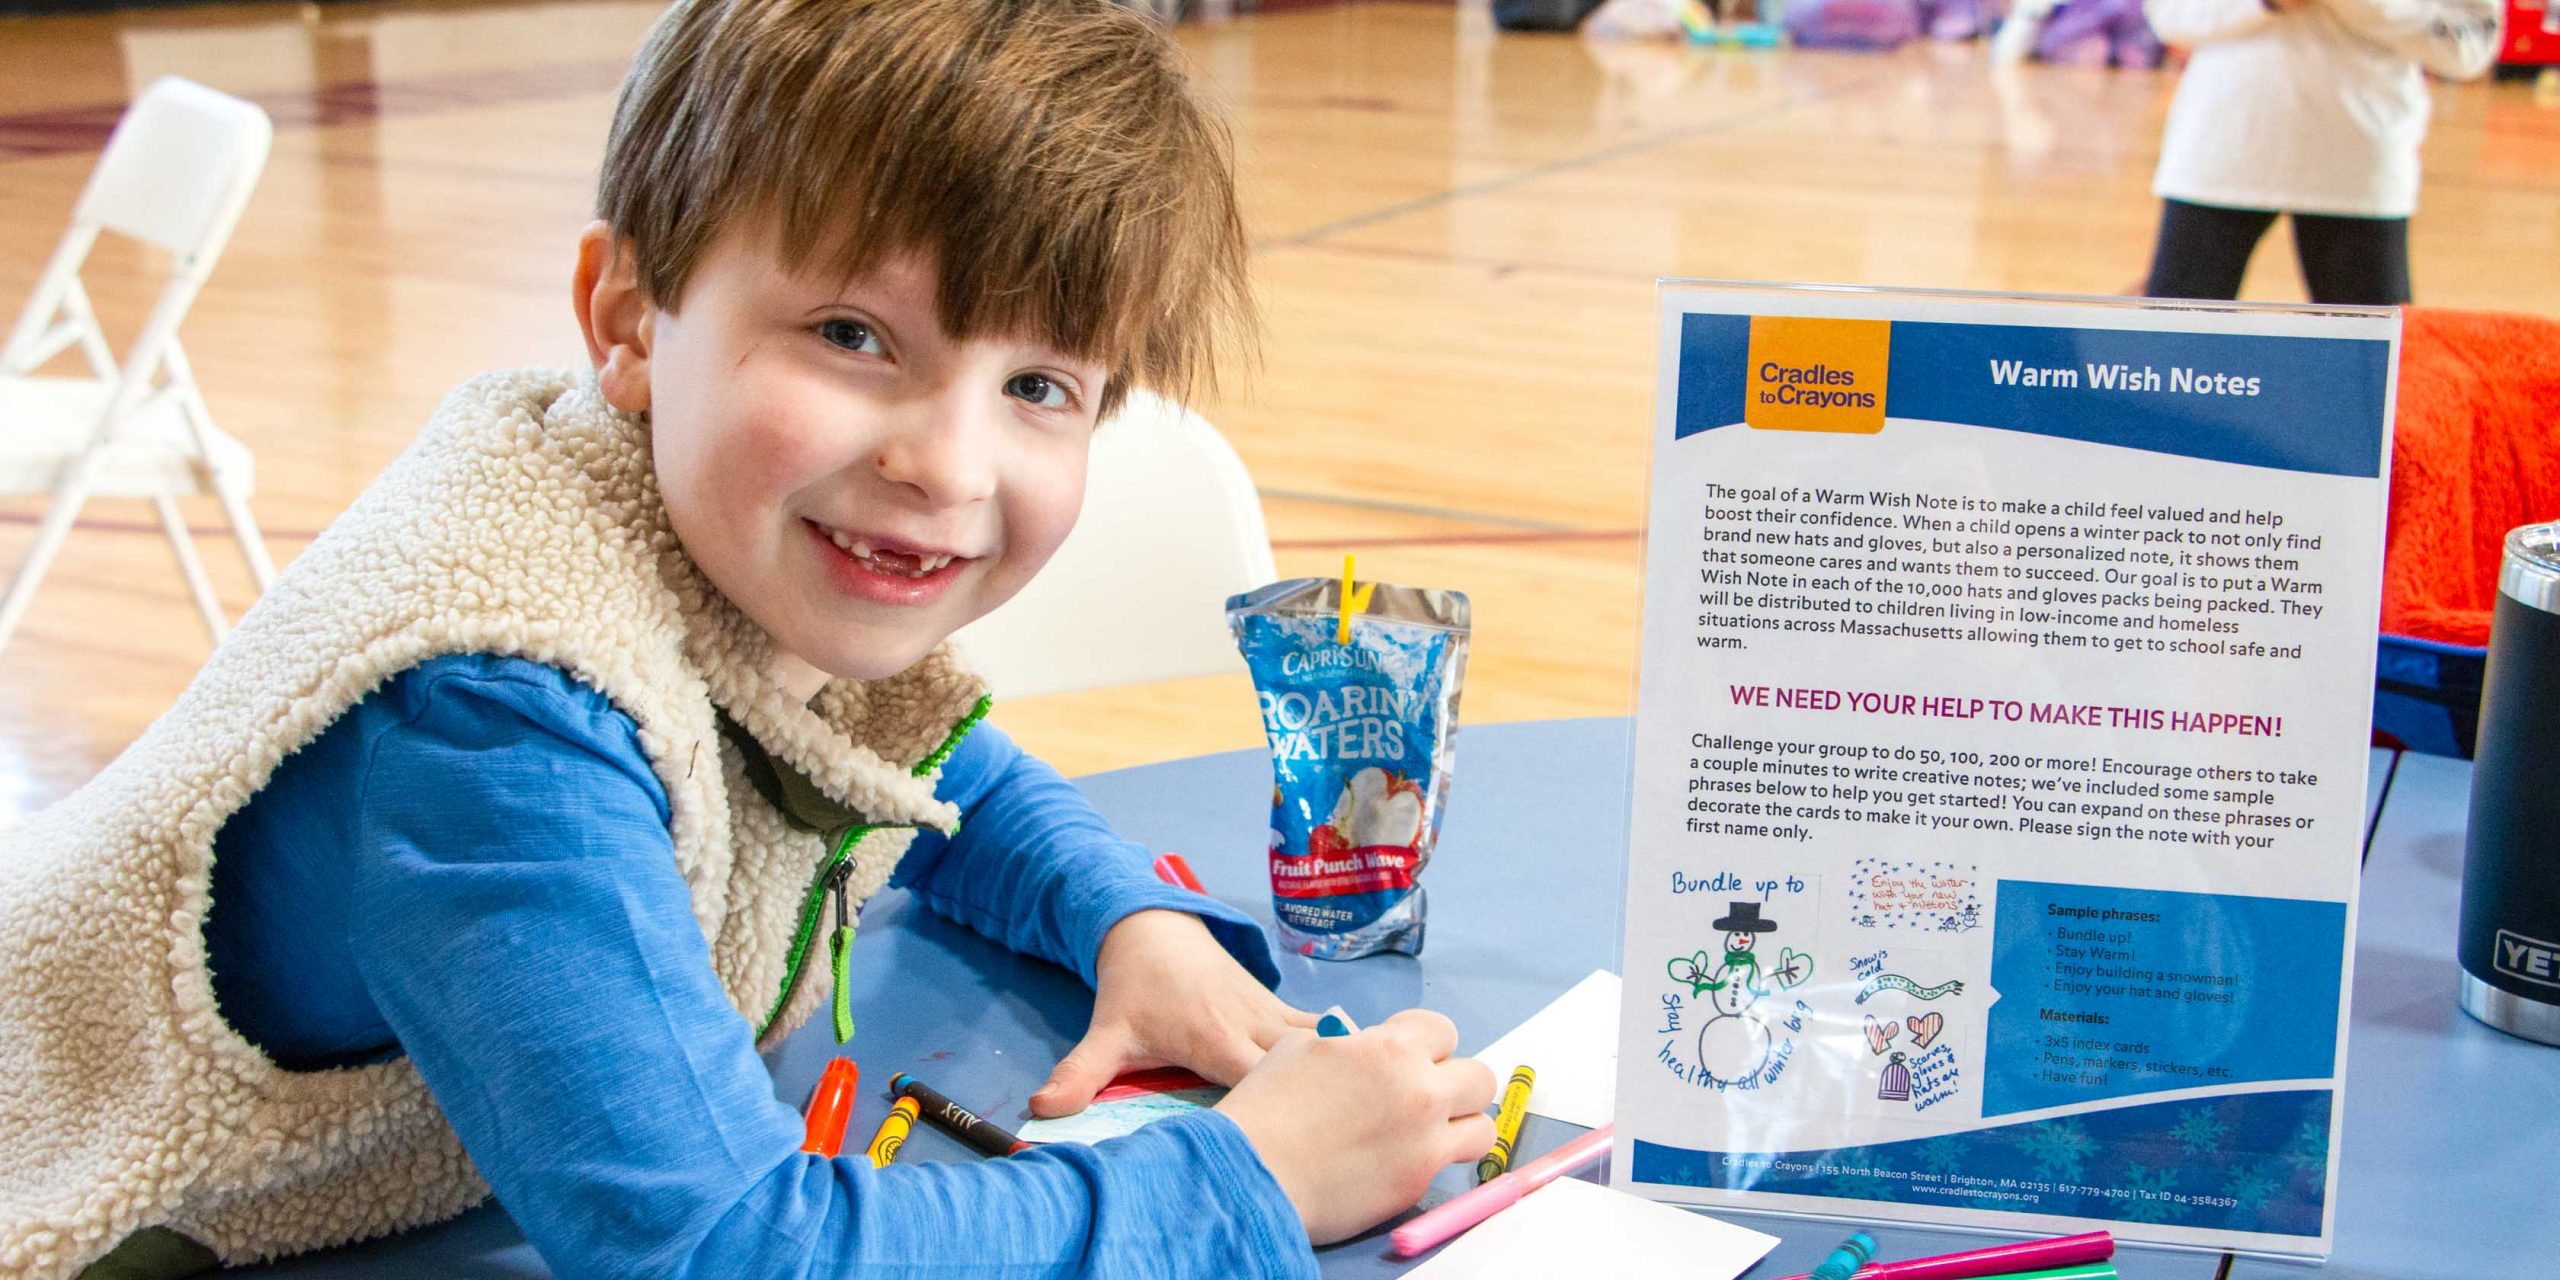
(1733, 1045)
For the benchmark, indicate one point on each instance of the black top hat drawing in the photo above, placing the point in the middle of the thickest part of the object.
(1744, 918)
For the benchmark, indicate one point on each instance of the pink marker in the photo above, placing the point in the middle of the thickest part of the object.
(1998, 1260)
(1466, 1210)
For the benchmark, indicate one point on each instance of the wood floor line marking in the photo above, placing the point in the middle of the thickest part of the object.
(1462, 539)
(1390, 505)
(84, 129)
(1588, 159)
(1523, 528)
(1514, 537)
(1273, 8)
(1497, 267)
(96, 524)
(69, 130)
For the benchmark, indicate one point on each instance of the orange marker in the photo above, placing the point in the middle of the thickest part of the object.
(830, 1107)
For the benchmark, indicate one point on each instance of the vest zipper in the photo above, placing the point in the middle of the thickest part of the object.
(841, 988)
(833, 873)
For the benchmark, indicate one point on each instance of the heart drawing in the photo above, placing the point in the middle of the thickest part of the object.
(1925, 1028)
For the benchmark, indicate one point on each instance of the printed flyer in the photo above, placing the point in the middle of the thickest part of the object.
(1999, 760)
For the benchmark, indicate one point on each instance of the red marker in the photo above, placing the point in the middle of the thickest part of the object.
(1174, 871)
(830, 1106)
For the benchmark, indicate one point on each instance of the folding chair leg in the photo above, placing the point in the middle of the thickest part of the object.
(253, 545)
(234, 496)
(68, 495)
(174, 523)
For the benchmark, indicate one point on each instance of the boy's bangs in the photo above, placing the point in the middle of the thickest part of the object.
(1022, 251)
(1045, 154)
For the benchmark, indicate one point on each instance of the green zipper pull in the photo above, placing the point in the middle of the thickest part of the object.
(839, 944)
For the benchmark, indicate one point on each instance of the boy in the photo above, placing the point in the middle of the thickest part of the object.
(504, 828)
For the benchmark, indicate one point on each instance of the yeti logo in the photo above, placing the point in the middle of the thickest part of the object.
(2531, 959)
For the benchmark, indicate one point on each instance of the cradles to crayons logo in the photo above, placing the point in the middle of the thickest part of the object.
(1817, 375)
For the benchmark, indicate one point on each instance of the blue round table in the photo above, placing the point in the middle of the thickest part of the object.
(2449, 1124)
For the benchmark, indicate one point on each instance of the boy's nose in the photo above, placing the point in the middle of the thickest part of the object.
(943, 450)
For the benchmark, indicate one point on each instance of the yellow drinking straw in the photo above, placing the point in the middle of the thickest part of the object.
(1354, 600)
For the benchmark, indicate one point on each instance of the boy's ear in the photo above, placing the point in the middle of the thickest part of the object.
(616, 316)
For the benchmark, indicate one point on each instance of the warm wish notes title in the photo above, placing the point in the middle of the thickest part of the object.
(2110, 376)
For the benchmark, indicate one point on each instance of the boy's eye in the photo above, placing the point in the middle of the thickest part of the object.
(852, 335)
(1038, 388)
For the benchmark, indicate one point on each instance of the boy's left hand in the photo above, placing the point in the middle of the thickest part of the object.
(1167, 995)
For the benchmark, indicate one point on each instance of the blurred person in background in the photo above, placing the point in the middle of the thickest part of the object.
(2313, 108)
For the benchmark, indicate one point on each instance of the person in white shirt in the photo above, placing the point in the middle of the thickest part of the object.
(2313, 108)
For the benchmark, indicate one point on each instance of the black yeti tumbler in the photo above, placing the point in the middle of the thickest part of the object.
(2510, 942)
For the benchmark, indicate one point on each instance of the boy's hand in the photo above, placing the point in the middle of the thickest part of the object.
(1167, 995)
(1353, 1127)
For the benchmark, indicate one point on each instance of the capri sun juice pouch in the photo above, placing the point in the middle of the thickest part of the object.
(1363, 738)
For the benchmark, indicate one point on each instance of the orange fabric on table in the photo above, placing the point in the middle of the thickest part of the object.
(2476, 453)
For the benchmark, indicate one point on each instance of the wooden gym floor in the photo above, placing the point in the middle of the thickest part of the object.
(1458, 234)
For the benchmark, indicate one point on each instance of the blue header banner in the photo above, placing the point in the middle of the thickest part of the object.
(1715, 364)
(2298, 404)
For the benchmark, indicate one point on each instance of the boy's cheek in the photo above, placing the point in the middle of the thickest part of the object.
(791, 433)
(742, 459)
(1048, 522)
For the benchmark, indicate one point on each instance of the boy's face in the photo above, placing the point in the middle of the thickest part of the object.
(856, 481)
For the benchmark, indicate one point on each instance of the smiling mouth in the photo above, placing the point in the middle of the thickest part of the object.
(887, 559)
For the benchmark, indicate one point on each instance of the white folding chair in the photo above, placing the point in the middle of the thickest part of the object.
(176, 174)
(1171, 528)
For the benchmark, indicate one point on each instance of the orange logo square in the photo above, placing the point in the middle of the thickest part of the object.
(1817, 375)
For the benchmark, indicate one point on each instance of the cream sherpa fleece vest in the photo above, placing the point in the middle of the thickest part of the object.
(526, 521)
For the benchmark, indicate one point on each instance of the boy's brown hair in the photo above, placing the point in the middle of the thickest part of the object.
(1047, 154)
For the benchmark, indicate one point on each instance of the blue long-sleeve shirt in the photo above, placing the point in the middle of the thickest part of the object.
(422, 877)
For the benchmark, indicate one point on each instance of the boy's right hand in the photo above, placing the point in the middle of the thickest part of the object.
(1354, 1126)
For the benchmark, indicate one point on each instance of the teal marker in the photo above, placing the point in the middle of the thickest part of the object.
(1855, 1252)
(1335, 1023)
